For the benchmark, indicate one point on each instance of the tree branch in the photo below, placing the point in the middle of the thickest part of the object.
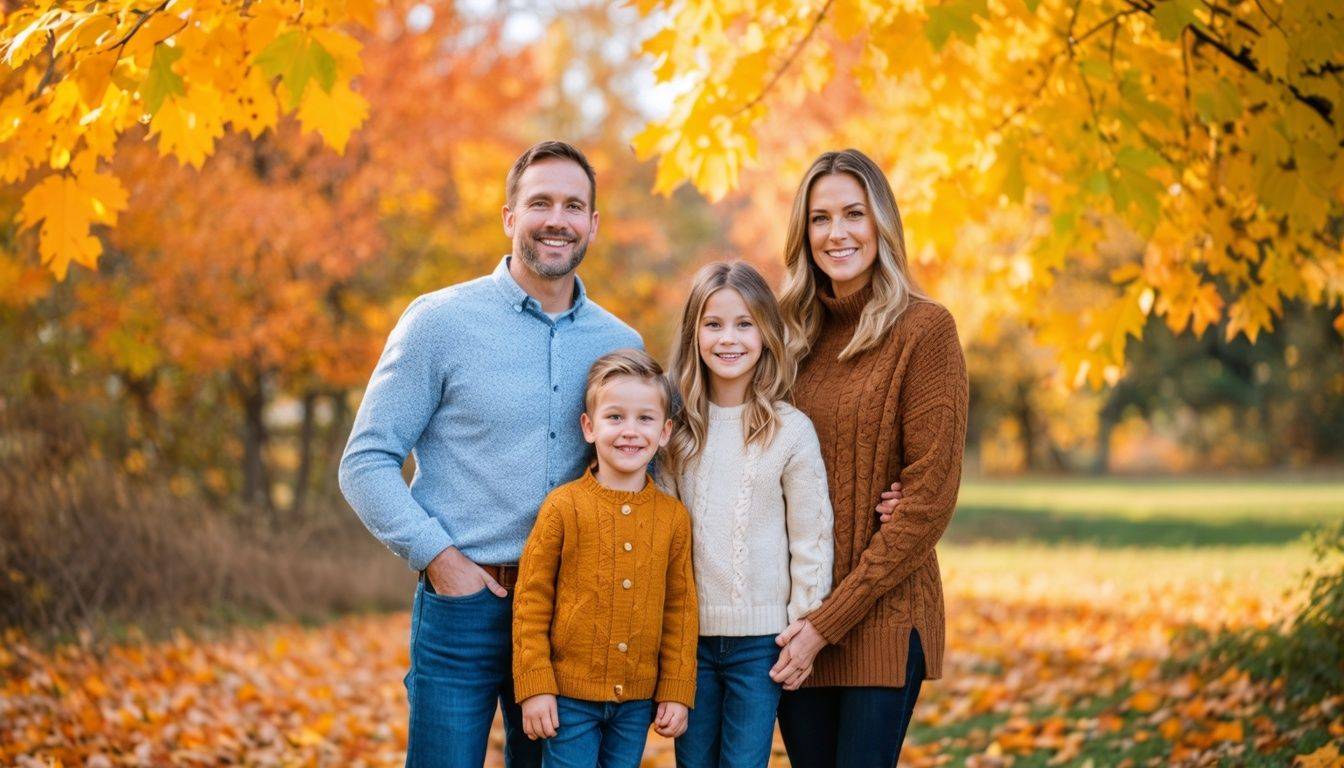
(788, 62)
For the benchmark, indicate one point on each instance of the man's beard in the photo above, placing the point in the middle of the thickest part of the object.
(532, 258)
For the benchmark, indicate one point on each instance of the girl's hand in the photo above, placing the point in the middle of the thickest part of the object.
(801, 643)
(888, 503)
(540, 718)
(671, 719)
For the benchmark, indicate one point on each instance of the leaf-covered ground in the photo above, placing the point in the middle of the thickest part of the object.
(1057, 658)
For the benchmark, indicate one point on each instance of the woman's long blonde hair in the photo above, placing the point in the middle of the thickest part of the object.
(770, 382)
(893, 286)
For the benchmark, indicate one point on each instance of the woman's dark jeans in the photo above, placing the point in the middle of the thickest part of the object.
(844, 727)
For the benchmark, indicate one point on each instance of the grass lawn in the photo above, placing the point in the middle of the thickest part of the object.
(1065, 602)
(1137, 512)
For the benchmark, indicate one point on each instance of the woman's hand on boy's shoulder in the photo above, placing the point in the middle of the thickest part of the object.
(887, 507)
(670, 722)
(541, 719)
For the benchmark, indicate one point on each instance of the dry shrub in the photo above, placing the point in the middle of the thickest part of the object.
(86, 549)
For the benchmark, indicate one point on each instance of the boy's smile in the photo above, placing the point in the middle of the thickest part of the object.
(627, 427)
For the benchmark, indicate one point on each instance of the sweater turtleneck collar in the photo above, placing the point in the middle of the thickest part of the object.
(845, 311)
(590, 484)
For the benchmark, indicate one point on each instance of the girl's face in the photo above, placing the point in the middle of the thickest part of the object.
(841, 231)
(730, 344)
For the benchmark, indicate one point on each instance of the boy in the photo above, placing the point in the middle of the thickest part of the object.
(604, 621)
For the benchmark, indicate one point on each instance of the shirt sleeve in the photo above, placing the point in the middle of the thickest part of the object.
(810, 524)
(534, 605)
(403, 394)
(934, 396)
(681, 630)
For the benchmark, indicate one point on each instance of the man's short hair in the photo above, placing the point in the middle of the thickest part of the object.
(547, 150)
(627, 362)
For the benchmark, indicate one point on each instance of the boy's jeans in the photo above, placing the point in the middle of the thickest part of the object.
(461, 668)
(733, 723)
(606, 734)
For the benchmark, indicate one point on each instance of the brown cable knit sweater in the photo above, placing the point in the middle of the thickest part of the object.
(897, 411)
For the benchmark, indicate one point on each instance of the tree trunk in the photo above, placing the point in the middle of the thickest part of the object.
(256, 475)
(304, 473)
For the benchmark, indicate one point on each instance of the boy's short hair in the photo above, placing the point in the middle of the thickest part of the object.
(627, 362)
(547, 150)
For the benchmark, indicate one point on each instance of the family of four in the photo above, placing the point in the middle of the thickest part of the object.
(778, 561)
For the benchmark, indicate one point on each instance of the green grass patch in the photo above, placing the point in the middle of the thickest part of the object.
(1130, 512)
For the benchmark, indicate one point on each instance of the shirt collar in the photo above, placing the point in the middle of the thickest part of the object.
(519, 299)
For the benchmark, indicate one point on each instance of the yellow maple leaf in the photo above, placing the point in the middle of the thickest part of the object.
(187, 126)
(254, 108)
(333, 115)
(64, 236)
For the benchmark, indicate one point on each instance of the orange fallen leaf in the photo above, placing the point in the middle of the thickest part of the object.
(1326, 757)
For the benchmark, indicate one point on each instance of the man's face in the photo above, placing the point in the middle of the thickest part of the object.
(551, 222)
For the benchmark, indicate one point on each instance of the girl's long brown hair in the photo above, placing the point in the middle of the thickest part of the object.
(770, 382)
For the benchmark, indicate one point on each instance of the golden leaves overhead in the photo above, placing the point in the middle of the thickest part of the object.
(1209, 141)
(82, 74)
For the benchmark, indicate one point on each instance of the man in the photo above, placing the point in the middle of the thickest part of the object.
(483, 382)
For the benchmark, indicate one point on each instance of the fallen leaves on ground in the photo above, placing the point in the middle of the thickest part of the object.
(1042, 669)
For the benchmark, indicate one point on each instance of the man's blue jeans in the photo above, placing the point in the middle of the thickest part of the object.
(733, 722)
(605, 734)
(461, 668)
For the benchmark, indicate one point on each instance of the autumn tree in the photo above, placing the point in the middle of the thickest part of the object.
(1024, 134)
(76, 76)
(272, 273)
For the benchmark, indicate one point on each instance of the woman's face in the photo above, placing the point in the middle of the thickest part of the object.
(841, 231)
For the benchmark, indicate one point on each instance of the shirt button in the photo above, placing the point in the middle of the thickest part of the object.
(622, 647)
(628, 546)
(626, 584)
(625, 508)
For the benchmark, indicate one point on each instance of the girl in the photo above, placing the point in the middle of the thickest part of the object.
(749, 469)
(882, 376)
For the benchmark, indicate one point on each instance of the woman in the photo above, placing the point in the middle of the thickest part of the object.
(882, 377)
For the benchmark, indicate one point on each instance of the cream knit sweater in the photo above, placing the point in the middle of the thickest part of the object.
(762, 528)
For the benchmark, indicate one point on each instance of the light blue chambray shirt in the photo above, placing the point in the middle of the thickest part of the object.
(486, 391)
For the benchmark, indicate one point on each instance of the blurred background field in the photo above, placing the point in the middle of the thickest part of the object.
(212, 217)
(1090, 649)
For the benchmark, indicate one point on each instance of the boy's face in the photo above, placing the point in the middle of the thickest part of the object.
(628, 424)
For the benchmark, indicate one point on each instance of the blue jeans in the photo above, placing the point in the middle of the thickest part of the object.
(733, 723)
(843, 727)
(461, 669)
(606, 734)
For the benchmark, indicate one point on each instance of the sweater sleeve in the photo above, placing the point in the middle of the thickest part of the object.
(933, 405)
(681, 631)
(810, 524)
(534, 605)
(404, 392)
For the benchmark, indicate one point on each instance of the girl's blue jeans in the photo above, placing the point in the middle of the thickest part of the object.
(733, 722)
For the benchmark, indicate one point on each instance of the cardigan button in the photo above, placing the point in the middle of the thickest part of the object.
(622, 647)
(625, 509)
(618, 690)
(628, 546)
(626, 584)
